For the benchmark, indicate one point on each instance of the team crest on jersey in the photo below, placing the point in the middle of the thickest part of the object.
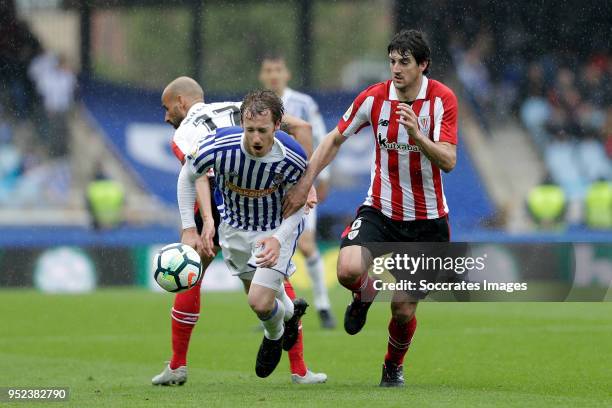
(278, 179)
(348, 112)
(424, 122)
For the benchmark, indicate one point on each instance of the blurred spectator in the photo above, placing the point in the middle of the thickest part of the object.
(18, 46)
(535, 110)
(10, 160)
(598, 205)
(546, 203)
(105, 200)
(569, 120)
(56, 83)
(36, 92)
(474, 74)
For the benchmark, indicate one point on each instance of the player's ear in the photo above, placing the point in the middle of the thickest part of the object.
(277, 125)
(423, 66)
(182, 102)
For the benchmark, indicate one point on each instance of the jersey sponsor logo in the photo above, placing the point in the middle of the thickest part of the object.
(348, 112)
(424, 122)
(383, 122)
(250, 192)
(384, 143)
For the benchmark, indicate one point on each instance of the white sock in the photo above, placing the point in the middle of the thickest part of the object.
(273, 324)
(287, 303)
(314, 265)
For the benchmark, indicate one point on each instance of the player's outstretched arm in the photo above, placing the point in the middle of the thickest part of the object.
(202, 185)
(325, 153)
(300, 130)
(186, 196)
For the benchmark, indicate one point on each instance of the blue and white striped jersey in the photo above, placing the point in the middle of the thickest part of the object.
(252, 187)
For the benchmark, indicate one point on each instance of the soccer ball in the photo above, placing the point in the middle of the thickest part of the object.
(177, 268)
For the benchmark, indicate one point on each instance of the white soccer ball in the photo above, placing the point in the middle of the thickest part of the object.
(177, 268)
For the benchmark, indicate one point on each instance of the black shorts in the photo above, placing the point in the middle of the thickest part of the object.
(215, 213)
(372, 226)
(373, 230)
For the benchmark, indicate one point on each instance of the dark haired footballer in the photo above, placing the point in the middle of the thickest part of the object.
(414, 120)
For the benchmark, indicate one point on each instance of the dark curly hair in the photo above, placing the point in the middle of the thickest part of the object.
(412, 42)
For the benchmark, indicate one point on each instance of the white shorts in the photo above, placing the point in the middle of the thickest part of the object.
(238, 249)
(310, 220)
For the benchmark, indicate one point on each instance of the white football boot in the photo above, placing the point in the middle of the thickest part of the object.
(309, 378)
(170, 376)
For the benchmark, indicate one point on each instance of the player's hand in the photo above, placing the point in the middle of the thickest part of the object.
(268, 256)
(408, 119)
(190, 237)
(311, 200)
(295, 199)
(208, 233)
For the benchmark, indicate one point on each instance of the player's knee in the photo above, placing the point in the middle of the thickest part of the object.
(350, 266)
(403, 312)
(348, 271)
(307, 244)
(261, 307)
(307, 249)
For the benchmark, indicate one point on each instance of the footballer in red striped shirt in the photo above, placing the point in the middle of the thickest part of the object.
(414, 122)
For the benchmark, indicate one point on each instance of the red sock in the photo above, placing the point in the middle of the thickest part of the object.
(400, 336)
(296, 354)
(185, 314)
(364, 288)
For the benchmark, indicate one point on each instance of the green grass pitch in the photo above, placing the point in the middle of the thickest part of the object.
(107, 346)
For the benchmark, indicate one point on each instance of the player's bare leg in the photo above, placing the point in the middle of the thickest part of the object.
(353, 264)
(184, 316)
(401, 330)
(314, 264)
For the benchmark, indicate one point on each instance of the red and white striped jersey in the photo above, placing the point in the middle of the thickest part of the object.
(405, 185)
